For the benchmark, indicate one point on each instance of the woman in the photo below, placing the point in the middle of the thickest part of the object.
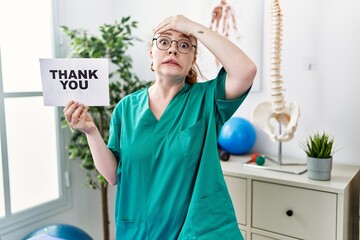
(162, 149)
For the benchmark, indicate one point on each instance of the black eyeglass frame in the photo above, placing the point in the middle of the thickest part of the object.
(177, 44)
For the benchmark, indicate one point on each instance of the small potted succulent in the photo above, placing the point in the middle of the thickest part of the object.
(319, 149)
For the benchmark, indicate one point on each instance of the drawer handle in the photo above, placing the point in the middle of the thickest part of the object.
(289, 213)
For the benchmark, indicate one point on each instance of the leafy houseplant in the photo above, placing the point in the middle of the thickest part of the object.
(113, 42)
(319, 146)
(319, 149)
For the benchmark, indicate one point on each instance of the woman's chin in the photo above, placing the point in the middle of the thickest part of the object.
(173, 73)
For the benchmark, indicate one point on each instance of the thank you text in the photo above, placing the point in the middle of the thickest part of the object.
(84, 80)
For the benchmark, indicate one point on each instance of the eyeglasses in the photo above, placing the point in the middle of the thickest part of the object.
(183, 45)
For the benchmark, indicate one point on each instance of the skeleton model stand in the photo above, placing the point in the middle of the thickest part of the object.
(276, 117)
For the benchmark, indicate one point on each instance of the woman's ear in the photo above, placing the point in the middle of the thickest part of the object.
(194, 60)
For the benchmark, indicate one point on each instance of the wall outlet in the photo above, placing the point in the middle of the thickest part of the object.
(310, 63)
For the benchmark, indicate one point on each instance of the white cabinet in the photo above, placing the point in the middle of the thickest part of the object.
(274, 205)
(238, 196)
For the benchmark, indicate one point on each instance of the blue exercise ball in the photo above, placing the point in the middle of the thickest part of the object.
(59, 231)
(237, 136)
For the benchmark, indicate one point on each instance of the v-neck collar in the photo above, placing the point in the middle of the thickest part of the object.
(168, 107)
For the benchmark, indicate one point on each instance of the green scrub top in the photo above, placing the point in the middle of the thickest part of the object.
(170, 182)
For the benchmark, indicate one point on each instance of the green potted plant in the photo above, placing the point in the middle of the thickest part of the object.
(113, 42)
(319, 149)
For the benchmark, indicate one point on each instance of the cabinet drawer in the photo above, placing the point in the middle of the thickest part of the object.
(237, 191)
(292, 211)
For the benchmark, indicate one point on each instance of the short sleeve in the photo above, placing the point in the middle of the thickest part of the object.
(114, 133)
(225, 108)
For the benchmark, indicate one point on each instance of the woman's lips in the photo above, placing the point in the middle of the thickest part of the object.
(171, 62)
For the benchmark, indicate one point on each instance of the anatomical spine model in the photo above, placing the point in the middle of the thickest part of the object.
(284, 114)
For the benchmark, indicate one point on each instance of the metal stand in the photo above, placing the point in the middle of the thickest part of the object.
(297, 172)
(280, 143)
(279, 160)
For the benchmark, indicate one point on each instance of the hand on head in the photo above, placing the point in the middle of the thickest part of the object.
(177, 23)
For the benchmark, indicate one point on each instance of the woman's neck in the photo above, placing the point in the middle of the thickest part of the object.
(163, 90)
(160, 95)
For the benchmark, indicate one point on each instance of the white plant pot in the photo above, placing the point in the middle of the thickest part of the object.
(319, 168)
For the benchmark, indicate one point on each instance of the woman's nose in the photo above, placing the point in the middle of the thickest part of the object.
(173, 48)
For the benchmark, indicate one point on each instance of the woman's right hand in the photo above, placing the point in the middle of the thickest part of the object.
(78, 117)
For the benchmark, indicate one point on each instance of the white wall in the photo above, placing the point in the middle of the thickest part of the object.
(327, 30)
(328, 99)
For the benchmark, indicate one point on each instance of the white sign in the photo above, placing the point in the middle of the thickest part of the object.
(84, 80)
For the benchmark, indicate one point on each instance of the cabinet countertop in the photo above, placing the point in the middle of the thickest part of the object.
(341, 174)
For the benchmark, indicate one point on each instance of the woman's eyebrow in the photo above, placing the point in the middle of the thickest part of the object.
(165, 33)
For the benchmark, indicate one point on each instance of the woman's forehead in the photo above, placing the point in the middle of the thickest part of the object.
(173, 33)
